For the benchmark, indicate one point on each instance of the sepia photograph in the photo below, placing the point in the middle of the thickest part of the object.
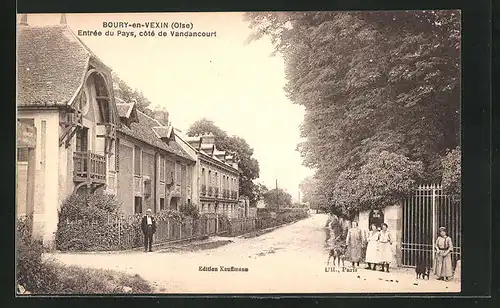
(238, 153)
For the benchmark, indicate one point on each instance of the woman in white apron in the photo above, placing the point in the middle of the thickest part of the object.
(444, 247)
(372, 248)
(385, 251)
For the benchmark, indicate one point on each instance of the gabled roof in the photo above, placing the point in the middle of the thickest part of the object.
(143, 131)
(125, 110)
(51, 64)
(163, 131)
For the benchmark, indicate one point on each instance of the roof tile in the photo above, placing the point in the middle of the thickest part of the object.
(143, 130)
(51, 63)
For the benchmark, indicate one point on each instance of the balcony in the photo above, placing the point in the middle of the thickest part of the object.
(89, 167)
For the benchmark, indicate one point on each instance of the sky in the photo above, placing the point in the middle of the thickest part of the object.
(238, 86)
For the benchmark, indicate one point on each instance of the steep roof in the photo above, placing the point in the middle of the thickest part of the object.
(143, 130)
(52, 62)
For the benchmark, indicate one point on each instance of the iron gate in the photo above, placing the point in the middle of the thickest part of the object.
(423, 214)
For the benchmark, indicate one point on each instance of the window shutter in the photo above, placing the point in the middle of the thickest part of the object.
(117, 155)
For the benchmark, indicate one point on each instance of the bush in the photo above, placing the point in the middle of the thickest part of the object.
(78, 280)
(165, 214)
(90, 222)
(190, 210)
(31, 271)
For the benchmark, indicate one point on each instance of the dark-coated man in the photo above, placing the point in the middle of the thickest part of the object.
(148, 227)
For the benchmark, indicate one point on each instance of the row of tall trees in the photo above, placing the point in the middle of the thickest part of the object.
(381, 92)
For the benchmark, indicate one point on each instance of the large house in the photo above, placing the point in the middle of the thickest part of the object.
(84, 139)
(218, 176)
(152, 170)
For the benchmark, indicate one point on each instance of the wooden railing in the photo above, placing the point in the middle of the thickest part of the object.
(89, 166)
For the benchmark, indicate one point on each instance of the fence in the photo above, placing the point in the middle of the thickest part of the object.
(117, 232)
(245, 225)
(423, 213)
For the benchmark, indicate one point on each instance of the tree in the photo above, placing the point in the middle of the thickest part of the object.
(259, 190)
(452, 174)
(248, 165)
(277, 198)
(371, 83)
(125, 92)
(308, 188)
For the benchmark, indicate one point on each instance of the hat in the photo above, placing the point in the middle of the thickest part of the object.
(442, 229)
(148, 210)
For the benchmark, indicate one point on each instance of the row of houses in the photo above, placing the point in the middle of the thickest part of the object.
(86, 139)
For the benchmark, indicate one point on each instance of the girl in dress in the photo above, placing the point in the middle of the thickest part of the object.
(372, 247)
(354, 242)
(444, 247)
(385, 251)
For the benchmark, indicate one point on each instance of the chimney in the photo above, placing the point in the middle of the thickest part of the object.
(161, 116)
(229, 159)
(63, 19)
(24, 20)
(208, 139)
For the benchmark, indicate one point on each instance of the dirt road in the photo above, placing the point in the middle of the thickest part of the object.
(291, 259)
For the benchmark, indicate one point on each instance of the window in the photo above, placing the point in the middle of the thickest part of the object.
(177, 171)
(170, 172)
(138, 205)
(147, 188)
(203, 180)
(162, 204)
(23, 153)
(82, 139)
(183, 175)
(162, 168)
(137, 160)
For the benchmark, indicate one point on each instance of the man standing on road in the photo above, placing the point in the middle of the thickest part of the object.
(148, 227)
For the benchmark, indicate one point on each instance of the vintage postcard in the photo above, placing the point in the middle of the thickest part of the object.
(248, 153)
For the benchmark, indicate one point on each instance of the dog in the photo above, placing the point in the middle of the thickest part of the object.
(422, 270)
(338, 254)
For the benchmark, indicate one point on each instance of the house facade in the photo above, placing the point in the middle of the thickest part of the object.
(84, 140)
(217, 177)
(151, 169)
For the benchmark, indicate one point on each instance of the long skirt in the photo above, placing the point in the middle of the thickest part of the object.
(443, 266)
(354, 253)
(385, 253)
(372, 253)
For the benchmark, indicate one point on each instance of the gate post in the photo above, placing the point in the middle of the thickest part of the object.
(434, 222)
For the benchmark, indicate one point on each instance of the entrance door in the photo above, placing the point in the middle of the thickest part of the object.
(174, 203)
(375, 217)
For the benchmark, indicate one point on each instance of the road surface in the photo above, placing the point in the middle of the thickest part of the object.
(291, 259)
